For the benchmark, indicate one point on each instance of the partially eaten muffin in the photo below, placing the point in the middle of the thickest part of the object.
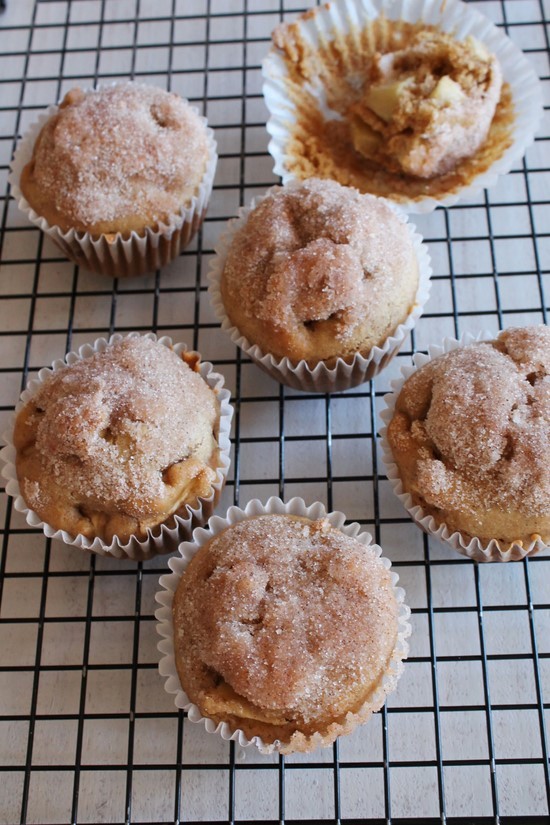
(116, 444)
(428, 105)
(285, 628)
(395, 107)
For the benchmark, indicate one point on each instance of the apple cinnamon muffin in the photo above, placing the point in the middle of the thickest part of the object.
(114, 445)
(119, 177)
(470, 436)
(395, 101)
(427, 105)
(319, 272)
(115, 159)
(286, 629)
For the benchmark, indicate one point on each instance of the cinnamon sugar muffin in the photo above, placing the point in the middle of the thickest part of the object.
(470, 436)
(116, 163)
(284, 628)
(115, 444)
(319, 272)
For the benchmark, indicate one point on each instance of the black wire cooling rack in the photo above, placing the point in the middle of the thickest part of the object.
(87, 732)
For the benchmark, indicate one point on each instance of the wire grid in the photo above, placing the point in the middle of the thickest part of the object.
(87, 733)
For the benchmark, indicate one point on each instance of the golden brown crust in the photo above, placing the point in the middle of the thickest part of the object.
(471, 437)
(284, 628)
(318, 272)
(117, 443)
(118, 159)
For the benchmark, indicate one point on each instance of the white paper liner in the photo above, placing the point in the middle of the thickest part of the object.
(451, 16)
(346, 373)
(474, 548)
(163, 538)
(170, 581)
(117, 256)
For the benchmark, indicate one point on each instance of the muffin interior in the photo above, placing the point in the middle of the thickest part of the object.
(427, 105)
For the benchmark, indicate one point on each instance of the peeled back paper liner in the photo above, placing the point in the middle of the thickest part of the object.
(116, 255)
(347, 372)
(165, 537)
(474, 548)
(201, 536)
(452, 16)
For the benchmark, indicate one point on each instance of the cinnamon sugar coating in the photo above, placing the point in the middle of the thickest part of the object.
(471, 437)
(117, 159)
(284, 628)
(319, 272)
(115, 444)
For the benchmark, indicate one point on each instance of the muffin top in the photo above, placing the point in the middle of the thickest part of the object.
(283, 626)
(116, 443)
(319, 271)
(117, 159)
(471, 433)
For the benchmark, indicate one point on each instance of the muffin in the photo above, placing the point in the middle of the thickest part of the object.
(286, 630)
(113, 445)
(470, 438)
(122, 171)
(318, 274)
(407, 106)
(428, 105)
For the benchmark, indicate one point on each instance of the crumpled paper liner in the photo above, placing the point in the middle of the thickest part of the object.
(474, 548)
(346, 373)
(165, 537)
(453, 16)
(115, 255)
(169, 584)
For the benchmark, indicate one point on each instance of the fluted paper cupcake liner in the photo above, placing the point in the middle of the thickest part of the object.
(115, 255)
(165, 537)
(347, 372)
(450, 16)
(169, 584)
(474, 548)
